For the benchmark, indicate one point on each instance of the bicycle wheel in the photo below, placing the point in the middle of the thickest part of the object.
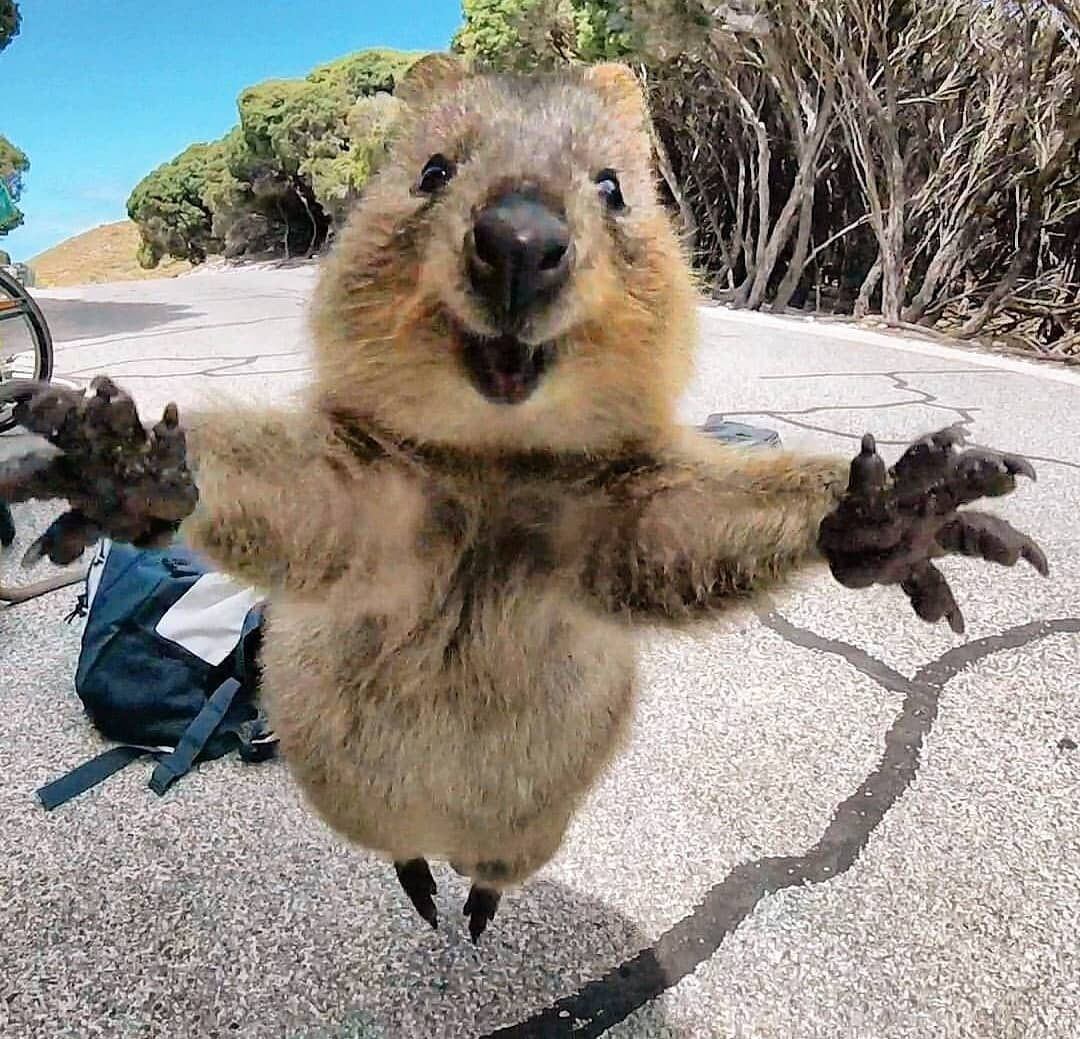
(26, 347)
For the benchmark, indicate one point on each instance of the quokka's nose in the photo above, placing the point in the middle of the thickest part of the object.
(519, 255)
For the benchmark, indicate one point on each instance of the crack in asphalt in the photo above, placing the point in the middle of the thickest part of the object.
(603, 1003)
(230, 367)
(863, 662)
(965, 415)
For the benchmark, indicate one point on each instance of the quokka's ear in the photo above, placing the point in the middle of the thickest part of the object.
(431, 75)
(620, 89)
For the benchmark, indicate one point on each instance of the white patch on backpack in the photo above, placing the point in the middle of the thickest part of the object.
(208, 618)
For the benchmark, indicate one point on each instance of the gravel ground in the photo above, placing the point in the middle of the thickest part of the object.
(833, 821)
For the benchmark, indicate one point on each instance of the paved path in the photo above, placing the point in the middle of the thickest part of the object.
(834, 821)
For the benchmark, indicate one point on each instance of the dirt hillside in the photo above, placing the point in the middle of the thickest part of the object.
(105, 253)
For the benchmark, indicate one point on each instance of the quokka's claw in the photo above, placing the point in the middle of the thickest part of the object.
(867, 474)
(887, 531)
(120, 478)
(480, 908)
(1018, 464)
(63, 541)
(993, 539)
(418, 883)
(931, 597)
(982, 474)
(926, 461)
(15, 391)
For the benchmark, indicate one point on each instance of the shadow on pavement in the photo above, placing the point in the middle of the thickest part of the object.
(263, 923)
(71, 319)
(547, 943)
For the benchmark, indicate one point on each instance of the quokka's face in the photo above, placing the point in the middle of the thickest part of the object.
(510, 278)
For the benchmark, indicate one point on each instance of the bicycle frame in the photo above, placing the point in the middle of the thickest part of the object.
(15, 301)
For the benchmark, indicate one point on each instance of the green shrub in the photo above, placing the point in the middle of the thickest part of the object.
(285, 176)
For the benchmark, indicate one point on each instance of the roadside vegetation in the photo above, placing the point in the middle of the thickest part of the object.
(913, 161)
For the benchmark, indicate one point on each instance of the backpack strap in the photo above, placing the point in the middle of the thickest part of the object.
(258, 742)
(178, 763)
(87, 775)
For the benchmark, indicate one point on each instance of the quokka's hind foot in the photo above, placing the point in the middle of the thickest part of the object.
(7, 525)
(418, 883)
(480, 909)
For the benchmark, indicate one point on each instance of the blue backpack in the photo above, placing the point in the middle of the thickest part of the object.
(167, 666)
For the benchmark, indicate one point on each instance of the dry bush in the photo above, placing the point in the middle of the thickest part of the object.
(917, 160)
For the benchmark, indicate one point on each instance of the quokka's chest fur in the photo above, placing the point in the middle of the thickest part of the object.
(441, 556)
(469, 603)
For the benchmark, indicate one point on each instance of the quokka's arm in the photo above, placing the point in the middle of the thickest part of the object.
(699, 532)
(263, 492)
(716, 525)
(274, 499)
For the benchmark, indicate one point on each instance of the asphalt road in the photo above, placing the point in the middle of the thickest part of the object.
(834, 821)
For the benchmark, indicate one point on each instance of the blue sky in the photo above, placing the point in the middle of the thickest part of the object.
(99, 92)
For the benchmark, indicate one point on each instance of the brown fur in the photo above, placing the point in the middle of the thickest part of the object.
(448, 660)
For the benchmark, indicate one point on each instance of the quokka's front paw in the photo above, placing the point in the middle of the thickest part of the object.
(892, 523)
(122, 480)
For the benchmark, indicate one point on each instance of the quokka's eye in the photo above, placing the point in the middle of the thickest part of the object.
(607, 181)
(435, 175)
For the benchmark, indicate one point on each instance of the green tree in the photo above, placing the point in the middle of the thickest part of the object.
(365, 72)
(171, 209)
(491, 32)
(303, 163)
(284, 177)
(13, 164)
(526, 34)
(337, 180)
(9, 22)
(604, 29)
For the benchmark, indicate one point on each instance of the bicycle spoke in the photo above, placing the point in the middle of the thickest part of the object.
(11, 308)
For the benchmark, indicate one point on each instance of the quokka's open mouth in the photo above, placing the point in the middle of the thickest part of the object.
(504, 369)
